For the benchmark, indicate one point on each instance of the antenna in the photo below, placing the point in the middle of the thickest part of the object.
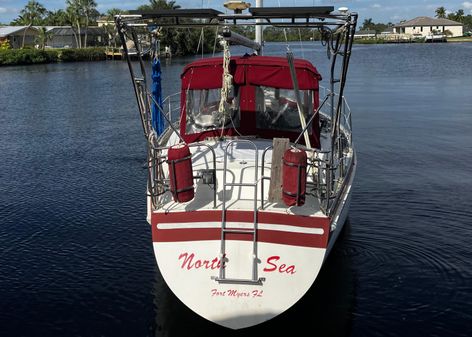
(237, 6)
(259, 3)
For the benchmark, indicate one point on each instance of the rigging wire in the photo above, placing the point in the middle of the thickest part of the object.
(301, 43)
(201, 41)
(285, 31)
(216, 40)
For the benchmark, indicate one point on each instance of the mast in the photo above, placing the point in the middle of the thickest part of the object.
(259, 3)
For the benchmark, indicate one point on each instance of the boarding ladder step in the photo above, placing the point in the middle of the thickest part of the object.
(221, 278)
(239, 231)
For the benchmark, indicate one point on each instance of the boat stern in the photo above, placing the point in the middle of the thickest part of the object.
(254, 280)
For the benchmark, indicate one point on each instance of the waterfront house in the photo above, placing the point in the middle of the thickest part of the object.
(425, 26)
(105, 21)
(365, 34)
(387, 32)
(67, 37)
(108, 25)
(59, 36)
(14, 35)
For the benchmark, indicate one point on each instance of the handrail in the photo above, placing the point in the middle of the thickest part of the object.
(311, 119)
(327, 178)
(263, 177)
(168, 120)
(162, 159)
(329, 174)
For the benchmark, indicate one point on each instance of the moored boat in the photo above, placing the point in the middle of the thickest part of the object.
(250, 185)
(435, 37)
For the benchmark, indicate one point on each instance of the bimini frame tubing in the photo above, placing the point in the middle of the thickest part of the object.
(337, 33)
(127, 27)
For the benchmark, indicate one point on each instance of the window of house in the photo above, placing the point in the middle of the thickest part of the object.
(421, 28)
(277, 108)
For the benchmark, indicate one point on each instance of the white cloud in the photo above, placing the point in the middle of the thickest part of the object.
(467, 4)
(4, 10)
(376, 6)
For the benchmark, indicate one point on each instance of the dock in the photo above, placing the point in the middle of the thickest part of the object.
(113, 53)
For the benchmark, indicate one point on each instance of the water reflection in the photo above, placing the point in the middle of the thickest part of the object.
(76, 257)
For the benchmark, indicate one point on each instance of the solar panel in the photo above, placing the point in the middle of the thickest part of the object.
(290, 12)
(205, 13)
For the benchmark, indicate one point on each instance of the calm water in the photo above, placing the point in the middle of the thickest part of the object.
(75, 250)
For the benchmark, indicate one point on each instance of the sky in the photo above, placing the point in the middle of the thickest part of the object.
(380, 11)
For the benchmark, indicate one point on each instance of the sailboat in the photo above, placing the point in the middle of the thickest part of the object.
(249, 185)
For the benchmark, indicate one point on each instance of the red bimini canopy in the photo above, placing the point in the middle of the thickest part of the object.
(249, 72)
(268, 71)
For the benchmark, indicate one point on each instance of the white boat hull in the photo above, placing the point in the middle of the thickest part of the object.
(289, 258)
(238, 306)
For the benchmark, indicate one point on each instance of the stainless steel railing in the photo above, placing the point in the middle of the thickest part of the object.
(159, 183)
(325, 183)
(327, 172)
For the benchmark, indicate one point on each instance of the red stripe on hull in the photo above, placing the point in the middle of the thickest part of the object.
(263, 235)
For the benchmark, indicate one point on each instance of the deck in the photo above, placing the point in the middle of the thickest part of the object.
(240, 169)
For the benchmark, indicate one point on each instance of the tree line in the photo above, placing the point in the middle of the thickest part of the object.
(81, 14)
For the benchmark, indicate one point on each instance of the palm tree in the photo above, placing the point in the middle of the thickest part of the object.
(88, 9)
(110, 28)
(159, 4)
(19, 21)
(74, 18)
(43, 37)
(440, 12)
(81, 12)
(367, 24)
(32, 14)
(459, 15)
(56, 18)
(168, 37)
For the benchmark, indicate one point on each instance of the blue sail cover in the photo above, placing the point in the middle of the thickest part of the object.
(156, 91)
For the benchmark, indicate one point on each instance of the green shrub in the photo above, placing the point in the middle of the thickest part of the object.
(5, 44)
(85, 54)
(27, 56)
(36, 56)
